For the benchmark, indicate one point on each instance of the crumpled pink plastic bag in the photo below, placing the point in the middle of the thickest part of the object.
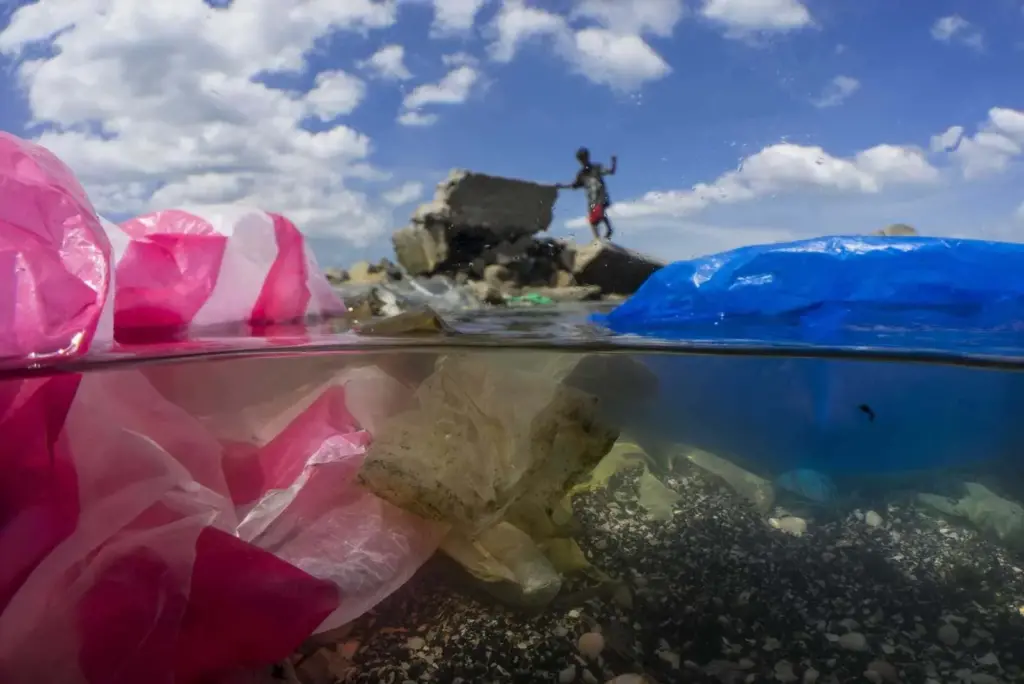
(180, 269)
(180, 522)
(54, 256)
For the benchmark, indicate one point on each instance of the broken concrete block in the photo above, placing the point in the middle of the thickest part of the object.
(421, 248)
(506, 207)
(615, 269)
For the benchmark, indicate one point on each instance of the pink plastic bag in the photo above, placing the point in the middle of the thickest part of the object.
(226, 265)
(54, 256)
(181, 522)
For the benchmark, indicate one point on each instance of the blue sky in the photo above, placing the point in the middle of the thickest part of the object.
(791, 118)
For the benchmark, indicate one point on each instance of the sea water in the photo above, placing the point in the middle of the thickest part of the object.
(608, 509)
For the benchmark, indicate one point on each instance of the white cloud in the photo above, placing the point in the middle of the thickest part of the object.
(787, 168)
(1020, 212)
(999, 140)
(955, 28)
(419, 119)
(388, 63)
(623, 62)
(517, 24)
(657, 17)
(947, 140)
(620, 60)
(156, 104)
(836, 92)
(455, 16)
(747, 16)
(335, 94)
(407, 193)
(454, 88)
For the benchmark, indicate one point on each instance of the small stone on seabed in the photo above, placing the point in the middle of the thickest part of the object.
(853, 641)
(568, 675)
(873, 519)
(415, 643)
(591, 644)
(949, 634)
(627, 679)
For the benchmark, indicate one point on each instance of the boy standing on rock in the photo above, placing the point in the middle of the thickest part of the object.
(591, 178)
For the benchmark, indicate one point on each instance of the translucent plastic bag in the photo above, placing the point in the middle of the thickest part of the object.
(179, 269)
(186, 521)
(55, 257)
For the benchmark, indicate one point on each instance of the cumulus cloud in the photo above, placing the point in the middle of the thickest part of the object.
(158, 104)
(606, 56)
(454, 88)
(836, 92)
(407, 193)
(998, 141)
(956, 29)
(789, 168)
(455, 16)
(388, 63)
(742, 17)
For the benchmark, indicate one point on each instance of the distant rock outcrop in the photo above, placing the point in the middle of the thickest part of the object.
(481, 234)
(897, 230)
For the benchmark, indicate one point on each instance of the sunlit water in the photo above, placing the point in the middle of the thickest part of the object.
(621, 510)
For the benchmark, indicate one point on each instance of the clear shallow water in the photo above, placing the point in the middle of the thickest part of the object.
(721, 517)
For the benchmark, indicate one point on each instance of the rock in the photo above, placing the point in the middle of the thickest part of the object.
(948, 634)
(873, 519)
(421, 249)
(415, 643)
(564, 279)
(784, 672)
(616, 270)
(590, 645)
(627, 679)
(790, 524)
(336, 276)
(485, 292)
(568, 675)
(363, 272)
(486, 431)
(897, 230)
(810, 676)
(497, 276)
(504, 207)
(886, 671)
(853, 641)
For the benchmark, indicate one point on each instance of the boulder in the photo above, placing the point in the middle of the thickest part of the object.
(897, 230)
(421, 248)
(615, 269)
(506, 208)
(487, 431)
(365, 273)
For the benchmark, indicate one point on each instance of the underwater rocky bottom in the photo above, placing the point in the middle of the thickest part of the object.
(713, 590)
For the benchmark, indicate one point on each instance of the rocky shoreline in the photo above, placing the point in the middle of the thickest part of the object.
(479, 243)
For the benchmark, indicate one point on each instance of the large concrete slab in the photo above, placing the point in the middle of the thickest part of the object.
(615, 269)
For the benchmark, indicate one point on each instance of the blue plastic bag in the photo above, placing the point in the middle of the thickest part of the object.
(944, 299)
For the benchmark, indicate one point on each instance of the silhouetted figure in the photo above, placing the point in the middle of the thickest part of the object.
(590, 177)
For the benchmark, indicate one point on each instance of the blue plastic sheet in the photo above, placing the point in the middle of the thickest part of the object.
(858, 295)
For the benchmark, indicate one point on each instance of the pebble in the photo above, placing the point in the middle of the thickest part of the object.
(853, 641)
(885, 670)
(873, 519)
(590, 645)
(790, 524)
(708, 587)
(949, 634)
(627, 679)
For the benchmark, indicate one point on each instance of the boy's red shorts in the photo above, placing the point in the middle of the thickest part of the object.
(596, 215)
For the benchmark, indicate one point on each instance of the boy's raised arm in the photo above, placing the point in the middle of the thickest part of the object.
(611, 169)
